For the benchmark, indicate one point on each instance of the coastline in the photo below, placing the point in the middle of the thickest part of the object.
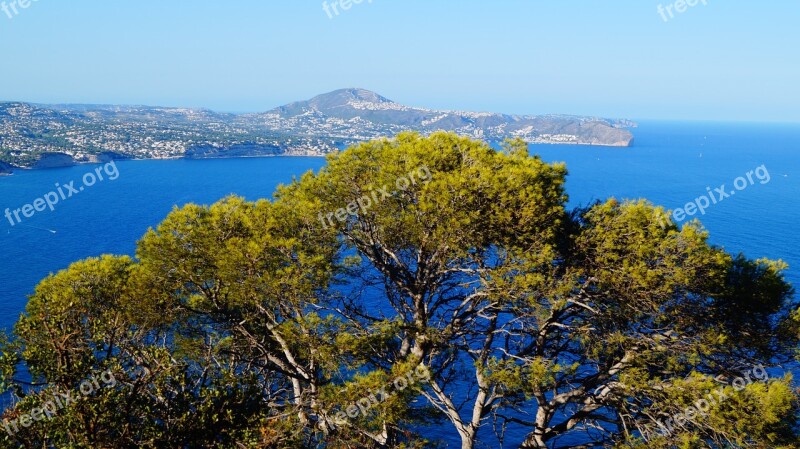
(7, 169)
(175, 158)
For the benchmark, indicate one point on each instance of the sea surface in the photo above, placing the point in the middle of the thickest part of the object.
(671, 164)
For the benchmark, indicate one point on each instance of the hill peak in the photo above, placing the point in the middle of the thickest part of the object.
(344, 97)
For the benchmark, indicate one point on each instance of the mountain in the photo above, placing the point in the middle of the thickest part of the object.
(38, 136)
(348, 112)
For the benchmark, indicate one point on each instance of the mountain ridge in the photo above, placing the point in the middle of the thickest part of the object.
(348, 104)
(313, 127)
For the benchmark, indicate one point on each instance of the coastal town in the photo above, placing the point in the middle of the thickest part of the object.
(44, 136)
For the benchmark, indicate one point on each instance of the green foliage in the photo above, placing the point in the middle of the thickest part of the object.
(263, 324)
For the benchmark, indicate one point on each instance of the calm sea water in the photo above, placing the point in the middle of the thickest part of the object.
(671, 164)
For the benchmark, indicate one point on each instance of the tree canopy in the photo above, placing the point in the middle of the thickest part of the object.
(413, 287)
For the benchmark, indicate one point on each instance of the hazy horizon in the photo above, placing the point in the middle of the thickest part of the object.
(712, 62)
(266, 109)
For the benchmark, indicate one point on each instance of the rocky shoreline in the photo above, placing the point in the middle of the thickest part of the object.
(63, 160)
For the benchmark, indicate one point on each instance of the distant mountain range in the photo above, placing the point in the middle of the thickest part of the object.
(42, 136)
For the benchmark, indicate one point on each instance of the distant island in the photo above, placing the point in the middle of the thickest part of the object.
(46, 136)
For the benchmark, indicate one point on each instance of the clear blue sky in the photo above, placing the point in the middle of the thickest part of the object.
(727, 60)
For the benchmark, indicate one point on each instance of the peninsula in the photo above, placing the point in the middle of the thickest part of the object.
(45, 136)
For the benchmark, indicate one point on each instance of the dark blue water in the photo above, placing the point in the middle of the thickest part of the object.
(110, 216)
(671, 164)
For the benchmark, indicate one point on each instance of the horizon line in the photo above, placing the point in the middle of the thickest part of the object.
(247, 112)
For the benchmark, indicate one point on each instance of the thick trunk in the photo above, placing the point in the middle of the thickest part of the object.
(298, 401)
(467, 438)
(536, 439)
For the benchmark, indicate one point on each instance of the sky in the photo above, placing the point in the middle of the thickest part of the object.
(731, 60)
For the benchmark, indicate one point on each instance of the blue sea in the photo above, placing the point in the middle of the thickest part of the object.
(671, 164)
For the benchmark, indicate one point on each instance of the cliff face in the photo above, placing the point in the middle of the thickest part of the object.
(102, 158)
(243, 150)
(54, 160)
